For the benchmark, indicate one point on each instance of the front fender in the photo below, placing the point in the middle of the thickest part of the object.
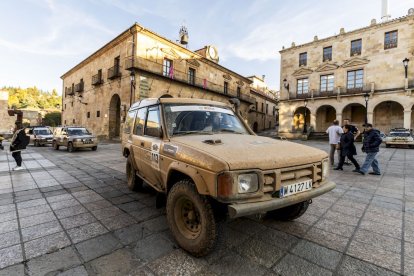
(191, 172)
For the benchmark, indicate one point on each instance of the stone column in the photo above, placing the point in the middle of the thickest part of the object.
(339, 118)
(407, 118)
(370, 118)
(313, 121)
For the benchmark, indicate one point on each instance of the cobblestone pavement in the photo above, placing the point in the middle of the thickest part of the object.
(71, 214)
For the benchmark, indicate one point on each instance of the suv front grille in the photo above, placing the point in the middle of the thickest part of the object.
(275, 179)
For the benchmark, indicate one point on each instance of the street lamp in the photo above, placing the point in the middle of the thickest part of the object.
(286, 84)
(132, 77)
(305, 125)
(405, 62)
(366, 97)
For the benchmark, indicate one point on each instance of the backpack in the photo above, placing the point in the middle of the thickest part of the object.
(25, 140)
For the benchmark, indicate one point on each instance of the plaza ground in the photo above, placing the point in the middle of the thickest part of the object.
(72, 214)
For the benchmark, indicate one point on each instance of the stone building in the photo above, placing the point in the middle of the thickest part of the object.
(6, 121)
(264, 114)
(331, 78)
(138, 64)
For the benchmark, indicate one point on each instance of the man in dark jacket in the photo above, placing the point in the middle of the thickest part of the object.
(18, 143)
(372, 141)
(347, 148)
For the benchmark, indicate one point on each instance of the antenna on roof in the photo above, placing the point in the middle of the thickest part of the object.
(384, 11)
(183, 35)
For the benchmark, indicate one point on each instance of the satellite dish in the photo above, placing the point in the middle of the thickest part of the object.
(411, 11)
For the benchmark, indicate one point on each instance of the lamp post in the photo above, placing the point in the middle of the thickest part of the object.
(132, 77)
(366, 97)
(305, 125)
(405, 62)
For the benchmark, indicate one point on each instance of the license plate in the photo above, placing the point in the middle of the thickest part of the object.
(292, 189)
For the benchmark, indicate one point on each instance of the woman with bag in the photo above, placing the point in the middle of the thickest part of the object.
(347, 149)
(18, 143)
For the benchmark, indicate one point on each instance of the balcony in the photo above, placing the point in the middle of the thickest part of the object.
(114, 72)
(294, 95)
(367, 87)
(327, 57)
(411, 84)
(355, 52)
(97, 79)
(150, 66)
(324, 94)
(69, 91)
(79, 87)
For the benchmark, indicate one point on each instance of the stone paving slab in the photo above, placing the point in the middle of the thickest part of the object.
(72, 214)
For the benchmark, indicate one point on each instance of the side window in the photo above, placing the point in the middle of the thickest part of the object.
(129, 122)
(140, 121)
(152, 127)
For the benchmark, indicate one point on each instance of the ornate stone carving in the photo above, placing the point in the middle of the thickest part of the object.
(227, 77)
(302, 71)
(355, 61)
(170, 52)
(193, 62)
(239, 83)
(326, 67)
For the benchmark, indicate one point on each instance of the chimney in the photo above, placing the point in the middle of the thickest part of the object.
(384, 11)
(263, 77)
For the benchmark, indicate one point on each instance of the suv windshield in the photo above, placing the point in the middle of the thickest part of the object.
(78, 131)
(201, 119)
(43, 131)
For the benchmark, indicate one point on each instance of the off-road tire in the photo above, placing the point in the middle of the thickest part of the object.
(198, 243)
(55, 145)
(134, 182)
(290, 212)
(70, 147)
(94, 148)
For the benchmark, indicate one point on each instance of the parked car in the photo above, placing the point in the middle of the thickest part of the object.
(74, 137)
(383, 136)
(399, 136)
(39, 135)
(209, 164)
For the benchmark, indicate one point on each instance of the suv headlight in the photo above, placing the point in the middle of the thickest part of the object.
(248, 183)
(325, 169)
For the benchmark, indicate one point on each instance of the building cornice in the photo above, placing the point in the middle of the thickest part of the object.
(353, 32)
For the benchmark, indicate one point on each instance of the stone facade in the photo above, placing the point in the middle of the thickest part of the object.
(99, 90)
(6, 121)
(366, 61)
(264, 115)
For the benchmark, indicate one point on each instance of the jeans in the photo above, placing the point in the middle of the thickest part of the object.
(332, 154)
(371, 161)
(18, 157)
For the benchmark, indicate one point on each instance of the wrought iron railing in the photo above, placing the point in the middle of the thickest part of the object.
(69, 91)
(97, 79)
(323, 93)
(138, 63)
(79, 87)
(367, 87)
(114, 72)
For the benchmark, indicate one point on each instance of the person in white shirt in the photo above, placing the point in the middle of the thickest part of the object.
(334, 132)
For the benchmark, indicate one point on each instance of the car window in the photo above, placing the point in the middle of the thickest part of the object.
(140, 121)
(78, 131)
(129, 121)
(43, 131)
(152, 127)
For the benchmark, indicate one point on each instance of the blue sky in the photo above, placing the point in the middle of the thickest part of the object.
(42, 39)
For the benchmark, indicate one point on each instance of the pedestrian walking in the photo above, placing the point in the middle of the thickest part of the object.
(334, 133)
(355, 131)
(18, 143)
(371, 143)
(347, 149)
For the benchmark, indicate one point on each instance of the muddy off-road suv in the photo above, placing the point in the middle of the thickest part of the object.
(73, 138)
(210, 165)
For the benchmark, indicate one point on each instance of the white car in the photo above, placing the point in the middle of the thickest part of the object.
(399, 136)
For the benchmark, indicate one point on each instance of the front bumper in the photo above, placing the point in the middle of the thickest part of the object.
(246, 209)
(399, 142)
(44, 141)
(83, 145)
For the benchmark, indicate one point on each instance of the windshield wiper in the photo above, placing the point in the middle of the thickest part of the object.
(178, 133)
(229, 130)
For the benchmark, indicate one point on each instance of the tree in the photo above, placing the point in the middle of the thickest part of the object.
(52, 119)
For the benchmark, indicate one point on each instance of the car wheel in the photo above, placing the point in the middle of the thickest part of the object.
(70, 147)
(55, 145)
(94, 148)
(290, 212)
(191, 219)
(133, 181)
